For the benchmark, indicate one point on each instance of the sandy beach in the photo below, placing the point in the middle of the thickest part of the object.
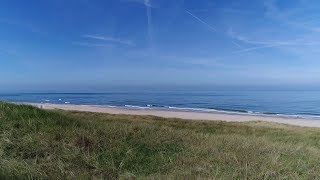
(212, 116)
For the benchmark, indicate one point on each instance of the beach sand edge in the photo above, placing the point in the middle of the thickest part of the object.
(186, 115)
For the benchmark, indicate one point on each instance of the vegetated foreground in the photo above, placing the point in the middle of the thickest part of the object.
(57, 144)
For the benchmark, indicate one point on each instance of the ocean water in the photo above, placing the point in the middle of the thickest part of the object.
(288, 103)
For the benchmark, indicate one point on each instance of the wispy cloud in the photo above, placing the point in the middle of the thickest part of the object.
(109, 39)
(236, 44)
(236, 11)
(247, 40)
(86, 44)
(147, 3)
(279, 44)
(233, 37)
(202, 21)
(168, 58)
(149, 6)
(294, 17)
(258, 44)
(272, 11)
(255, 48)
(144, 2)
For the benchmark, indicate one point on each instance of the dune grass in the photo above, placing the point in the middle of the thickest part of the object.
(40, 144)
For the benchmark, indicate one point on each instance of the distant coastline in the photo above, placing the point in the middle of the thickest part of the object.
(180, 114)
(188, 109)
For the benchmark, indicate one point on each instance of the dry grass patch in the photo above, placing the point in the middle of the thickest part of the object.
(39, 144)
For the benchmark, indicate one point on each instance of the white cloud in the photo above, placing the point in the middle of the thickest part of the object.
(109, 39)
(86, 44)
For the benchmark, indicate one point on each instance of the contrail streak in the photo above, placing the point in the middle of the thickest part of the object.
(149, 16)
(200, 20)
(236, 44)
(256, 48)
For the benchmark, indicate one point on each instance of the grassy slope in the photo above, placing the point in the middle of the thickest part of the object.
(42, 144)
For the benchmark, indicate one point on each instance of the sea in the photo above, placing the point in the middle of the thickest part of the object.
(302, 104)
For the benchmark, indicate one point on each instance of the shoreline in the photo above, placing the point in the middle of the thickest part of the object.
(186, 115)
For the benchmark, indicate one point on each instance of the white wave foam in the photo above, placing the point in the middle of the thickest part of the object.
(138, 107)
(251, 113)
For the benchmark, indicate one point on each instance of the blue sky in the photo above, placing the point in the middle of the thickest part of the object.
(67, 45)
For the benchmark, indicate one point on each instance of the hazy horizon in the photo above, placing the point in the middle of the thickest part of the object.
(141, 88)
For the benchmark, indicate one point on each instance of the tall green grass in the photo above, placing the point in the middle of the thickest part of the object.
(39, 144)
